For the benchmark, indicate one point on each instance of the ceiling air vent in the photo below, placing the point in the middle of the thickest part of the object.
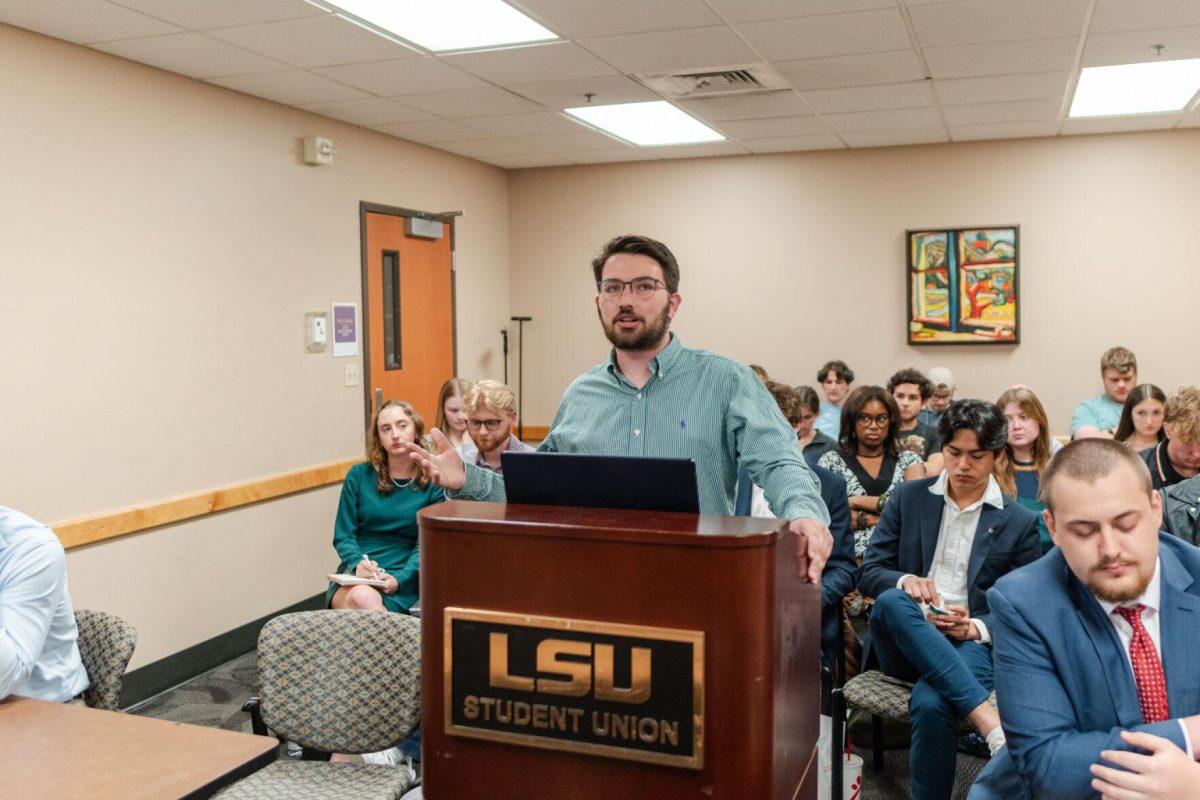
(693, 84)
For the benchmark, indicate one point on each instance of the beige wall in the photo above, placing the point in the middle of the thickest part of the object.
(160, 242)
(788, 260)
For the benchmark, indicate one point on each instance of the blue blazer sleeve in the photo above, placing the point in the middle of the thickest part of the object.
(837, 580)
(1051, 754)
(1026, 550)
(881, 562)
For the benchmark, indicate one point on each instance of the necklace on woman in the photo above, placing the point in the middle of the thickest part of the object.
(861, 454)
(400, 484)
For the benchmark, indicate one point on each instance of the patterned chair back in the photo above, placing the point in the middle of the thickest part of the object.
(106, 644)
(341, 681)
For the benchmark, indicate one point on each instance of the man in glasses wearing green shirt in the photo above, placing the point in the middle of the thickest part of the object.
(655, 397)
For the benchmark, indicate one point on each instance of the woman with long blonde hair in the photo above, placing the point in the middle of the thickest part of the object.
(452, 415)
(1020, 467)
(375, 532)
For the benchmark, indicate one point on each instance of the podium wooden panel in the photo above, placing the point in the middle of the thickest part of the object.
(734, 578)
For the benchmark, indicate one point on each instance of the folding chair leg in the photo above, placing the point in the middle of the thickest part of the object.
(877, 743)
(837, 708)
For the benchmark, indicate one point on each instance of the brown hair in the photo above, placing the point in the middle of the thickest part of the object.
(1140, 394)
(1119, 358)
(787, 400)
(848, 436)
(808, 398)
(1183, 415)
(1005, 470)
(1089, 460)
(452, 387)
(377, 453)
(913, 376)
(642, 246)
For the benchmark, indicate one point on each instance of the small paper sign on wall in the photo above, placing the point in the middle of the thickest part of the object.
(345, 329)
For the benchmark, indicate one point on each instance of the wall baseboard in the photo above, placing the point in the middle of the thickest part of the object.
(158, 676)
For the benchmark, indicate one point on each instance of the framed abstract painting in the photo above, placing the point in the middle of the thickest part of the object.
(963, 285)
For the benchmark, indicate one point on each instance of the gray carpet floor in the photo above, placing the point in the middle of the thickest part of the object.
(215, 700)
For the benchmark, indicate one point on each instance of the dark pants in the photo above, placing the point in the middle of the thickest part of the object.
(952, 679)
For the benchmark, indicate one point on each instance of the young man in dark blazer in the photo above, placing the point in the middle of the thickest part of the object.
(1097, 638)
(939, 546)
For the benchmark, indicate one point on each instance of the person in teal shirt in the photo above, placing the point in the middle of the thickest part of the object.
(375, 533)
(1100, 416)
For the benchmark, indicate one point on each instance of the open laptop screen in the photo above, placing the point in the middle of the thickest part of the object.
(568, 479)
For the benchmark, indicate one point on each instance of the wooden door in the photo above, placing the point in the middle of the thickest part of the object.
(408, 294)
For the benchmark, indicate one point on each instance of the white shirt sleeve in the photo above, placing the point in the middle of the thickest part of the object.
(29, 594)
(985, 637)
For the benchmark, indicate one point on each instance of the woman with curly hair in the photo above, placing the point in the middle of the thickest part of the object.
(375, 533)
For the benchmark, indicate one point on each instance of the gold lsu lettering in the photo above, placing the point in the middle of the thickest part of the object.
(578, 674)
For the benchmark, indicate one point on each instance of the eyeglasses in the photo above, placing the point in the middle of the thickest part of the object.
(641, 288)
(880, 420)
(490, 424)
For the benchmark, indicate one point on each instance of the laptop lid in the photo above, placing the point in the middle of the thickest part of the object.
(569, 479)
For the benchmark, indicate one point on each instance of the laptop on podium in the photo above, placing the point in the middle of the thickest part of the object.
(569, 479)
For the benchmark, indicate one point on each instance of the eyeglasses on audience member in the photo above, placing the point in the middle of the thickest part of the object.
(867, 420)
(641, 288)
(490, 424)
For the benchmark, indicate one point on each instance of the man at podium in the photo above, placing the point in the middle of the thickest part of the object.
(654, 397)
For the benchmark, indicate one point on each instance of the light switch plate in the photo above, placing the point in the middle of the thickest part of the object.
(352, 374)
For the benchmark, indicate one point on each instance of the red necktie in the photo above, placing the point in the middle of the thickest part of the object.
(1147, 669)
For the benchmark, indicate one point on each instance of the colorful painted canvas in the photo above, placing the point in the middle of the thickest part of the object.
(963, 286)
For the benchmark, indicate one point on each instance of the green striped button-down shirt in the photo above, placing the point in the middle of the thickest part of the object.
(696, 405)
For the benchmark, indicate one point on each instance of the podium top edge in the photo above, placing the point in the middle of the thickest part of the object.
(663, 527)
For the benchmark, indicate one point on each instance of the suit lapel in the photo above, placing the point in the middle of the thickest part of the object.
(991, 522)
(933, 506)
(1114, 664)
(1179, 631)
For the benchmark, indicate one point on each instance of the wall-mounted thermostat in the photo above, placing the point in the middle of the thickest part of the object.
(318, 150)
(315, 331)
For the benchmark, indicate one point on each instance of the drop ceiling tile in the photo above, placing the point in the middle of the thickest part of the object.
(527, 161)
(895, 137)
(672, 50)
(569, 94)
(870, 98)
(477, 148)
(1104, 49)
(864, 69)
(787, 144)
(1033, 86)
(562, 60)
(1138, 15)
(756, 10)
(434, 130)
(567, 142)
(545, 122)
(192, 54)
(1002, 58)
(772, 128)
(883, 120)
(291, 87)
(700, 150)
(1003, 130)
(369, 111)
(471, 103)
(579, 20)
(81, 21)
(223, 13)
(1141, 122)
(1012, 111)
(402, 76)
(610, 155)
(979, 21)
(315, 41)
(828, 35)
(747, 106)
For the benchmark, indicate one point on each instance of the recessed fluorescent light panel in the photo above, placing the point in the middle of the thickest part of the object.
(1145, 88)
(441, 25)
(647, 124)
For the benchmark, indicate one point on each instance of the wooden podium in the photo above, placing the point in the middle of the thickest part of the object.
(577, 653)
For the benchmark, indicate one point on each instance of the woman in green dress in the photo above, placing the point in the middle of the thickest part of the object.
(375, 533)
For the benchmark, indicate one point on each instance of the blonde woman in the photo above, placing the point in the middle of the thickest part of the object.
(1020, 467)
(452, 415)
(375, 533)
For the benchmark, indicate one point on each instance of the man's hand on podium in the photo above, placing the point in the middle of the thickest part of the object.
(814, 543)
(445, 469)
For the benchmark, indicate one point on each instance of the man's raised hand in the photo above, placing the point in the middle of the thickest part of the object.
(445, 469)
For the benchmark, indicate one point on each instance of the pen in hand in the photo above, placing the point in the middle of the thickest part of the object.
(376, 573)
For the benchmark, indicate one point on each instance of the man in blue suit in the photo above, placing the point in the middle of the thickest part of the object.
(1098, 636)
(940, 545)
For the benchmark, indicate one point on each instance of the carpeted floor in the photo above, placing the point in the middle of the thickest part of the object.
(215, 699)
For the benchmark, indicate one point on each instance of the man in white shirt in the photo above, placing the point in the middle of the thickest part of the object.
(940, 545)
(1098, 636)
(39, 656)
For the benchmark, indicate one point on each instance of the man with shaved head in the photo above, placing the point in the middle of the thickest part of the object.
(1097, 637)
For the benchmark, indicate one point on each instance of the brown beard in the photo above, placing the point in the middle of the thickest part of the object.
(649, 338)
(1119, 596)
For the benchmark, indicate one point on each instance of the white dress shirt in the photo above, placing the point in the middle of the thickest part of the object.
(39, 656)
(1151, 598)
(948, 570)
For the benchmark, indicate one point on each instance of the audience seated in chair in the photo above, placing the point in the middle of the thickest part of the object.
(835, 379)
(452, 415)
(911, 390)
(939, 546)
(943, 392)
(1026, 453)
(491, 417)
(1181, 509)
(1141, 425)
(1099, 416)
(813, 443)
(1097, 637)
(39, 657)
(1177, 457)
(868, 459)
